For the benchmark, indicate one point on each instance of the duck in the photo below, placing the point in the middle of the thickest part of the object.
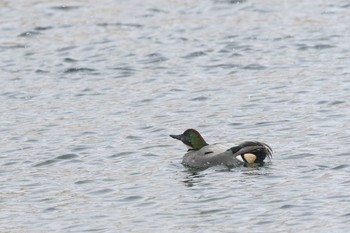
(201, 155)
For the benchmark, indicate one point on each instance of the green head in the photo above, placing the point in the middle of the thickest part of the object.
(192, 139)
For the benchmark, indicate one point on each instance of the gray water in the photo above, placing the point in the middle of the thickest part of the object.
(90, 91)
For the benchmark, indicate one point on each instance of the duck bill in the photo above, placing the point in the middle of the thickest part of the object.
(178, 137)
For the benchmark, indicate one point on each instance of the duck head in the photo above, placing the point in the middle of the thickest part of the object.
(192, 139)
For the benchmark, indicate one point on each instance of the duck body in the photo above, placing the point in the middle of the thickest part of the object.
(201, 155)
(210, 155)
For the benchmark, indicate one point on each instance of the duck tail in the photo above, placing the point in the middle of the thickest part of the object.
(254, 147)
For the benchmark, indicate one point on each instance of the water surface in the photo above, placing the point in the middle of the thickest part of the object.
(91, 90)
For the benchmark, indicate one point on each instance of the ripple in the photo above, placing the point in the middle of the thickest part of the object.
(29, 34)
(288, 206)
(340, 167)
(223, 66)
(102, 191)
(213, 211)
(12, 46)
(323, 46)
(124, 71)
(230, 1)
(70, 60)
(51, 209)
(122, 154)
(76, 70)
(336, 102)
(18, 95)
(67, 156)
(153, 58)
(300, 156)
(200, 98)
(264, 123)
(65, 8)
(57, 159)
(133, 137)
(131, 198)
(122, 25)
(84, 182)
(88, 92)
(343, 154)
(81, 148)
(304, 47)
(155, 146)
(66, 48)
(195, 54)
(39, 71)
(254, 67)
(43, 28)
(150, 155)
(341, 197)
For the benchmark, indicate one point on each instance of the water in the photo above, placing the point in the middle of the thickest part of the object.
(91, 90)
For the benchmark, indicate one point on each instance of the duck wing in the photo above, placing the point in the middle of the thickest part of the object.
(213, 149)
